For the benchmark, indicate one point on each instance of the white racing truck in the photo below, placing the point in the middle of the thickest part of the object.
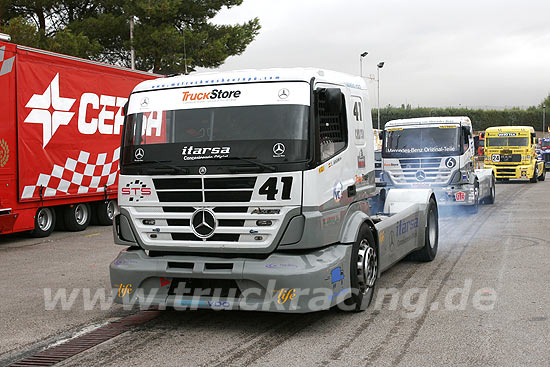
(252, 190)
(436, 152)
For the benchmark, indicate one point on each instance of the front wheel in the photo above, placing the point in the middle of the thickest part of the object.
(534, 179)
(363, 272)
(543, 176)
(431, 237)
(44, 222)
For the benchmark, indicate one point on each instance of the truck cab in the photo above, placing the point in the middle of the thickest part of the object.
(436, 152)
(243, 186)
(510, 152)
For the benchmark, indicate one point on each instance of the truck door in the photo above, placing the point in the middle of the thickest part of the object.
(361, 134)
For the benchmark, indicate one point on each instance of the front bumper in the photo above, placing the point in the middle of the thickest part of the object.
(283, 282)
(511, 171)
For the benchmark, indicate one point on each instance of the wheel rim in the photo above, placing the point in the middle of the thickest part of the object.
(81, 214)
(111, 210)
(432, 230)
(367, 266)
(44, 219)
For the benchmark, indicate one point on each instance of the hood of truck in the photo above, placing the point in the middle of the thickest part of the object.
(209, 213)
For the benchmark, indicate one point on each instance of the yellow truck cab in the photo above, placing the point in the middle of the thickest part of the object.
(510, 152)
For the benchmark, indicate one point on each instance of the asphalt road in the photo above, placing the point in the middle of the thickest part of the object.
(485, 300)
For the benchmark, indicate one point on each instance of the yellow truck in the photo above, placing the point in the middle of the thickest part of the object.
(510, 152)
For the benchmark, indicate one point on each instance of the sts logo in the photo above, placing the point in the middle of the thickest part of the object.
(137, 190)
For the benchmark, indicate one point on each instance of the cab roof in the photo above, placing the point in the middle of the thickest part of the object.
(510, 128)
(445, 120)
(253, 76)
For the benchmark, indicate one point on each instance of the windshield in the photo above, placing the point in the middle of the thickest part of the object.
(428, 141)
(545, 145)
(266, 133)
(508, 142)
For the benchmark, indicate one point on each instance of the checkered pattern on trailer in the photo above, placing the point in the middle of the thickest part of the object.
(6, 65)
(77, 176)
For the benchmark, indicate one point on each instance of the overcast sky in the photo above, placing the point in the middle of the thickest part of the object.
(437, 52)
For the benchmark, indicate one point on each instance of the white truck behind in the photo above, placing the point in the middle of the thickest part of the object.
(252, 190)
(436, 152)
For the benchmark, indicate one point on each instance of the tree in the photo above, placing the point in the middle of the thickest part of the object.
(545, 102)
(170, 36)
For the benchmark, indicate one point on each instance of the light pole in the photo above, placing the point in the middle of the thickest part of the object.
(543, 119)
(361, 63)
(379, 66)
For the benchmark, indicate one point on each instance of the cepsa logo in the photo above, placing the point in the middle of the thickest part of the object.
(96, 113)
(212, 95)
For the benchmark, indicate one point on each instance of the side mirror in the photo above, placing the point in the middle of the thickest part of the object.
(333, 100)
(381, 134)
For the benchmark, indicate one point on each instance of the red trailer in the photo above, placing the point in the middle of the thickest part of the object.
(60, 124)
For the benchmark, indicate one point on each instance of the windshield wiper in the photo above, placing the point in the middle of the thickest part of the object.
(162, 163)
(251, 161)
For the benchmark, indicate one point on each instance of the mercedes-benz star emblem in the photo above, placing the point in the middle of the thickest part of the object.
(202, 170)
(139, 153)
(279, 149)
(145, 102)
(420, 175)
(203, 223)
(284, 93)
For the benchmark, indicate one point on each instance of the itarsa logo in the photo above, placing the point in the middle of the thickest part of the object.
(53, 111)
(212, 95)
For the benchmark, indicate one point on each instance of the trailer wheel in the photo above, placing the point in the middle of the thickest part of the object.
(363, 272)
(44, 222)
(534, 179)
(105, 212)
(543, 176)
(77, 217)
(431, 237)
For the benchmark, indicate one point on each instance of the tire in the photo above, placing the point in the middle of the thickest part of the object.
(105, 212)
(534, 179)
(44, 222)
(473, 209)
(363, 272)
(491, 198)
(543, 176)
(77, 217)
(431, 236)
